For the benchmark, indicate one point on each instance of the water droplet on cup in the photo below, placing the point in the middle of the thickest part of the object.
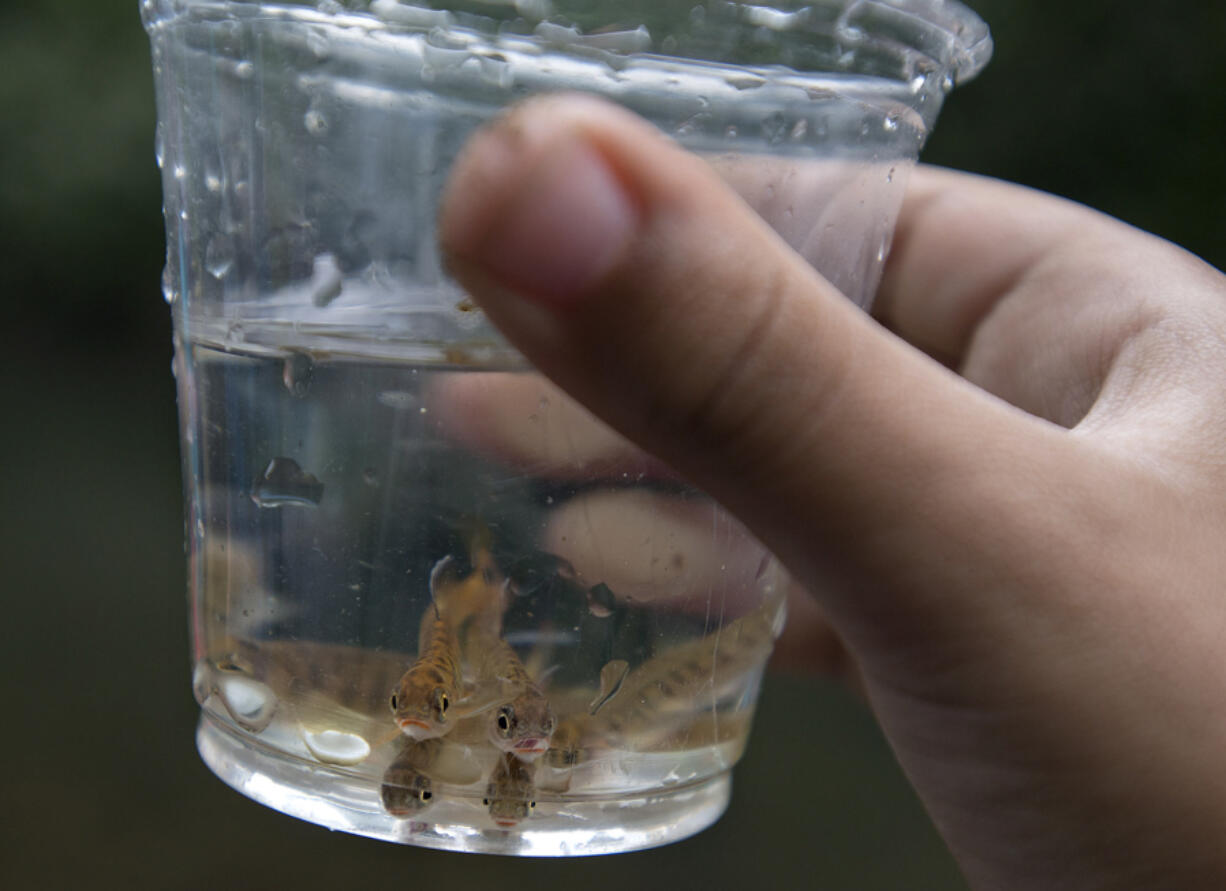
(285, 484)
(315, 122)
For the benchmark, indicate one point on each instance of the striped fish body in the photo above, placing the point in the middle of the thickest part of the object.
(425, 693)
(667, 692)
(523, 724)
(511, 792)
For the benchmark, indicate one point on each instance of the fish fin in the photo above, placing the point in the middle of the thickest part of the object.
(436, 581)
(612, 677)
(485, 695)
(544, 677)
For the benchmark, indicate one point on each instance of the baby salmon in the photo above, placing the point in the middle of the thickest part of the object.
(423, 697)
(511, 792)
(524, 725)
(655, 700)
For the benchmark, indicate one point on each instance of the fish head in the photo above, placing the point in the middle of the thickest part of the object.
(406, 793)
(511, 794)
(524, 726)
(420, 707)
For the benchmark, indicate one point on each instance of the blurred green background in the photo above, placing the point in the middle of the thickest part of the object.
(1111, 103)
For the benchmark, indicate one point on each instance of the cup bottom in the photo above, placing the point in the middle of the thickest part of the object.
(562, 828)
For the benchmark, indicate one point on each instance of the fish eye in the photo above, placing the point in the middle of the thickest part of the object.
(426, 795)
(531, 805)
(485, 801)
(504, 719)
(393, 702)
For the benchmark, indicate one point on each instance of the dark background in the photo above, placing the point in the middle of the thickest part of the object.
(1110, 103)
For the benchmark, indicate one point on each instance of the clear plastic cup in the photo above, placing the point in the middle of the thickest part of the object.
(432, 600)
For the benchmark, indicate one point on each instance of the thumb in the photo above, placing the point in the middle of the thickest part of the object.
(628, 272)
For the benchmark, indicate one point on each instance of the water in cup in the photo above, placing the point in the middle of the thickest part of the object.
(433, 600)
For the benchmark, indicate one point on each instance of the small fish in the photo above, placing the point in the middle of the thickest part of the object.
(522, 721)
(656, 700)
(406, 789)
(524, 725)
(350, 677)
(511, 793)
(422, 699)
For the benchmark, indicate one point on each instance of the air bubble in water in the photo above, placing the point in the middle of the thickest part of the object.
(212, 182)
(297, 373)
(285, 484)
(180, 172)
(244, 70)
(890, 123)
(219, 256)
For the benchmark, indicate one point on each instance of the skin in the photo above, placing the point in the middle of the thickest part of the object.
(1006, 495)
